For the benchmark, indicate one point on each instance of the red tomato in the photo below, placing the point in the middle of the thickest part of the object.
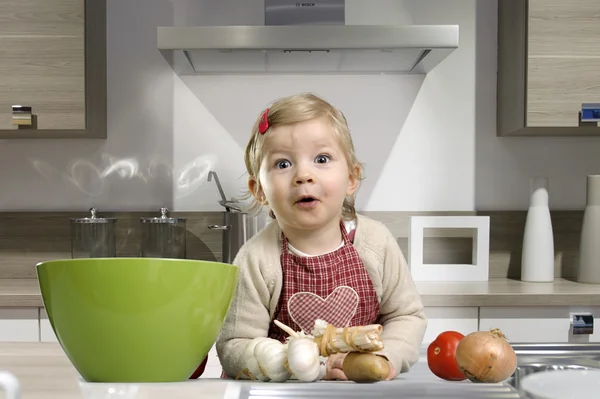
(441, 356)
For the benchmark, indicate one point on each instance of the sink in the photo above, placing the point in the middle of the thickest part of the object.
(533, 358)
(522, 371)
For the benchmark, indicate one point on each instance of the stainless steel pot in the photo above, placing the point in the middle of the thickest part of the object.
(93, 237)
(238, 228)
(163, 236)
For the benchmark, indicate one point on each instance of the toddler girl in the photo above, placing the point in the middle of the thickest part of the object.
(319, 259)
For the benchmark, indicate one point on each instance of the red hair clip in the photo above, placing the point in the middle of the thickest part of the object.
(263, 125)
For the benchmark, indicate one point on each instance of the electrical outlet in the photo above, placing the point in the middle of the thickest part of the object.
(582, 323)
(573, 314)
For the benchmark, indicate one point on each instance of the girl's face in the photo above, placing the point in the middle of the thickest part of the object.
(304, 175)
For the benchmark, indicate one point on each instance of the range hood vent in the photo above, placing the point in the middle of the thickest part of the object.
(297, 40)
(316, 49)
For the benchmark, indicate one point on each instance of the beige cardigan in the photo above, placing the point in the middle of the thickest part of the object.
(260, 281)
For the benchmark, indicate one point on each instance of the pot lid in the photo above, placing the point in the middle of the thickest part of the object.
(93, 218)
(163, 218)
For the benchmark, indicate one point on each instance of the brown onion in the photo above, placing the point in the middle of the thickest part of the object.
(486, 356)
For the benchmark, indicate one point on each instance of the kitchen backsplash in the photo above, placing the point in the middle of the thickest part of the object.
(30, 237)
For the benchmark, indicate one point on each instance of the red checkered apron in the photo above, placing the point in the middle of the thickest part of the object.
(334, 287)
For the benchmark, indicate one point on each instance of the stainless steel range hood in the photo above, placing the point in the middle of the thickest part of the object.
(310, 47)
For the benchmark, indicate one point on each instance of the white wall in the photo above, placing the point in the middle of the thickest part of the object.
(427, 144)
(410, 159)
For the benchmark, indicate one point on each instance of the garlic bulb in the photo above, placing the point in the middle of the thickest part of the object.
(303, 359)
(267, 359)
(271, 356)
(252, 368)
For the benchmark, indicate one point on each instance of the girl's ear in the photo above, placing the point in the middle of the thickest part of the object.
(353, 180)
(256, 190)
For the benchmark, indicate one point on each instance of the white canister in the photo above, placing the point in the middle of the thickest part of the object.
(537, 261)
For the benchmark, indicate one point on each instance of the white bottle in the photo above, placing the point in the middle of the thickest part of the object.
(537, 261)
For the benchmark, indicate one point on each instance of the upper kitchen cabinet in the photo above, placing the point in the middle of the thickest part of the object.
(548, 67)
(53, 69)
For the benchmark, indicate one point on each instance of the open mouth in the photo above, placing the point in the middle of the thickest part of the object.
(306, 200)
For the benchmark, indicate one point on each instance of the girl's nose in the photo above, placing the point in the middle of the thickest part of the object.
(304, 179)
(304, 176)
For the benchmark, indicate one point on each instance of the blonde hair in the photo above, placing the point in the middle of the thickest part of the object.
(297, 109)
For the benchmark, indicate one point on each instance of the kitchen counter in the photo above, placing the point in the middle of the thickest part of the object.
(20, 293)
(510, 293)
(44, 372)
(496, 292)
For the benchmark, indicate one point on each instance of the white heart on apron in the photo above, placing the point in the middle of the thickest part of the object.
(338, 308)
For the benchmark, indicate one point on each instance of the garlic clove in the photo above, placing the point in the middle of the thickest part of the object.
(251, 362)
(271, 356)
(303, 359)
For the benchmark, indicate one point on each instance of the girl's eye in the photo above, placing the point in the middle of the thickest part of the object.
(322, 159)
(282, 164)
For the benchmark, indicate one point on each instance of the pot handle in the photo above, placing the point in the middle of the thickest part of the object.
(217, 227)
(10, 384)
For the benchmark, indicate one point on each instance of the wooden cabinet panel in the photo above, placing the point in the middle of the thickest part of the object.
(564, 28)
(46, 73)
(557, 86)
(44, 64)
(563, 60)
(42, 18)
(548, 58)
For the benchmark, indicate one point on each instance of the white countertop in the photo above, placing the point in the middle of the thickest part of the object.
(45, 372)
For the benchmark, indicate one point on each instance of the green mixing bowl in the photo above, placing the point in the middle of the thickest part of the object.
(136, 319)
